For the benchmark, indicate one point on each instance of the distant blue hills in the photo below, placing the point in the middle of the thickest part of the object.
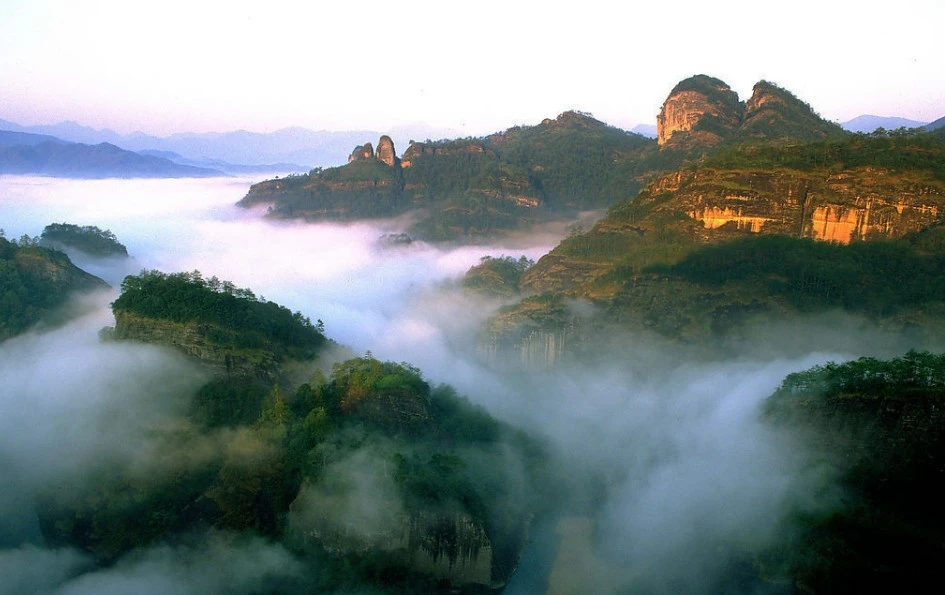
(25, 153)
(289, 149)
(73, 150)
(940, 123)
(868, 123)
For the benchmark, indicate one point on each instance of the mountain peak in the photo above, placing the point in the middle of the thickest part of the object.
(703, 111)
(773, 112)
(704, 108)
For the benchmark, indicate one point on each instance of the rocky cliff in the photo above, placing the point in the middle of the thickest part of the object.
(704, 108)
(386, 152)
(474, 187)
(446, 546)
(478, 187)
(827, 216)
(861, 204)
(196, 340)
(702, 112)
(362, 153)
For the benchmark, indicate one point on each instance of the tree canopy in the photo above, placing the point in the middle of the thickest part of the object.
(250, 320)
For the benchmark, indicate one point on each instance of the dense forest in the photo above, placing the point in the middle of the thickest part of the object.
(497, 275)
(435, 461)
(372, 478)
(479, 187)
(87, 238)
(877, 278)
(896, 150)
(878, 426)
(34, 281)
(242, 318)
(302, 455)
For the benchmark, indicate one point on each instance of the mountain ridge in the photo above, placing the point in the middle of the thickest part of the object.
(24, 153)
(304, 148)
(867, 123)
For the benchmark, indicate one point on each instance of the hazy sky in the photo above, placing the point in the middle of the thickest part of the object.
(473, 67)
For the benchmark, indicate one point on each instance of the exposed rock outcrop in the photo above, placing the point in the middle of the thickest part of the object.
(863, 204)
(362, 153)
(702, 106)
(450, 546)
(385, 151)
(702, 111)
(193, 340)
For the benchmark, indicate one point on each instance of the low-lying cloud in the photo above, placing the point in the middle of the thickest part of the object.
(662, 465)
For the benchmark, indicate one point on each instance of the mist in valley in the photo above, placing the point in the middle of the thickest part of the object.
(662, 478)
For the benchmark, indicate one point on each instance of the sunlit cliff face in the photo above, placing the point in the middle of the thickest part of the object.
(685, 108)
(715, 217)
(841, 223)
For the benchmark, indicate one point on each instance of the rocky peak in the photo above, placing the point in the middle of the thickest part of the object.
(362, 152)
(385, 151)
(774, 113)
(703, 106)
(702, 111)
(763, 93)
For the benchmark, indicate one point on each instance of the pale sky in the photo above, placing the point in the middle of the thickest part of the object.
(473, 67)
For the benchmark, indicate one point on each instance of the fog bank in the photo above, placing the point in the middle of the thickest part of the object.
(661, 465)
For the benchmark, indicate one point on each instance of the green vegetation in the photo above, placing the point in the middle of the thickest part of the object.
(899, 151)
(239, 318)
(577, 162)
(700, 83)
(360, 190)
(878, 427)
(33, 282)
(480, 187)
(88, 238)
(432, 453)
(915, 371)
(785, 118)
(501, 276)
(878, 278)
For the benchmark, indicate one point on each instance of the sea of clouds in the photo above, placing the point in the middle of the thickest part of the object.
(661, 452)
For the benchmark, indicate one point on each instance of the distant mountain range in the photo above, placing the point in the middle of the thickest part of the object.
(869, 123)
(940, 123)
(647, 130)
(289, 149)
(24, 153)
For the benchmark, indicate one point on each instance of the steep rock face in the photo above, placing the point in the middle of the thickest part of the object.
(862, 204)
(193, 340)
(450, 546)
(362, 153)
(618, 264)
(385, 151)
(702, 106)
(477, 186)
(702, 111)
